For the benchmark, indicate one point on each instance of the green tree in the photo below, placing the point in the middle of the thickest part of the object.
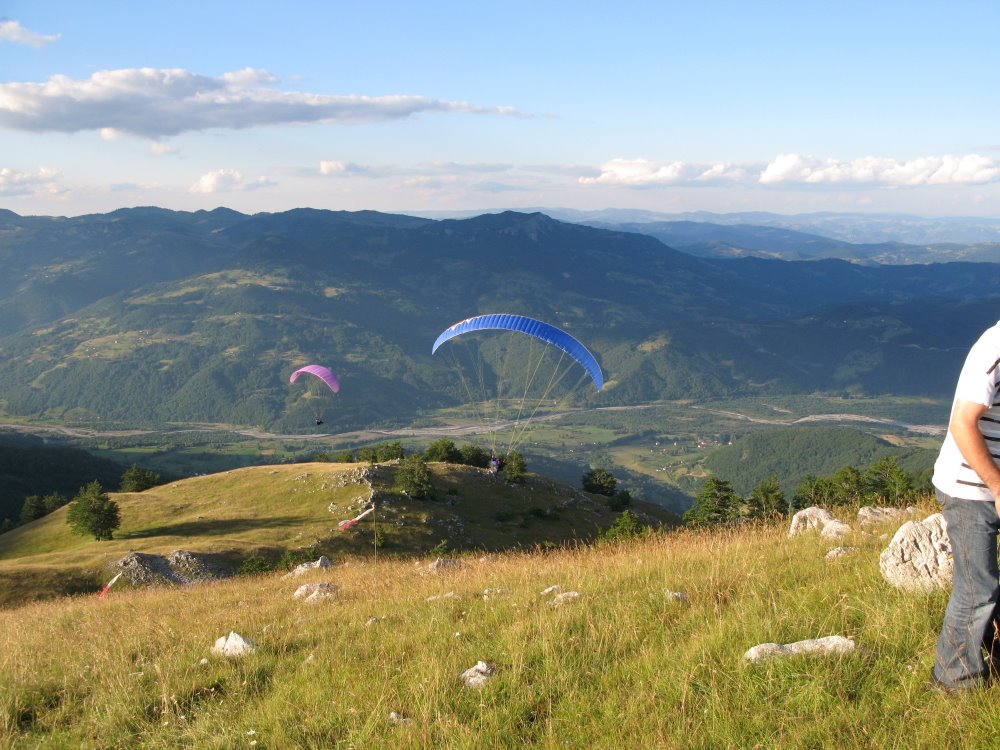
(848, 485)
(888, 484)
(621, 500)
(33, 508)
(515, 468)
(413, 478)
(390, 451)
(6, 526)
(92, 512)
(136, 480)
(54, 501)
(344, 457)
(716, 503)
(600, 482)
(626, 526)
(473, 455)
(767, 499)
(812, 491)
(443, 450)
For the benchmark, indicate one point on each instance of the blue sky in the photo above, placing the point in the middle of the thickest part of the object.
(445, 106)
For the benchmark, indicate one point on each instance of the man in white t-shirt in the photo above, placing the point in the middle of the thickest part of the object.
(967, 480)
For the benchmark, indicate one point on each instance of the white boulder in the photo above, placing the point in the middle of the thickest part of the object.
(233, 646)
(312, 593)
(320, 564)
(918, 557)
(479, 675)
(832, 645)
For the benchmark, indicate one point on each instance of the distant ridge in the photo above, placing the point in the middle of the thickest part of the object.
(146, 316)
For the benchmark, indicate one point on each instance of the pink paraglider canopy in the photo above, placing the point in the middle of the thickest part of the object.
(320, 372)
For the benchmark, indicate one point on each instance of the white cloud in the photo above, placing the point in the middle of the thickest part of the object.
(42, 182)
(158, 148)
(434, 170)
(228, 181)
(155, 102)
(971, 169)
(13, 31)
(248, 78)
(795, 169)
(342, 169)
(642, 172)
(110, 134)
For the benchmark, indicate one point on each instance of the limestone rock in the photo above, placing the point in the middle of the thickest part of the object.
(835, 529)
(565, 598)
(839, 552)
(832, 645)
(918, 557)
(869, 514)
(815, 517)
(321, 564)
(233, 646)
(479, 675)
(554, 589)
(313, 593)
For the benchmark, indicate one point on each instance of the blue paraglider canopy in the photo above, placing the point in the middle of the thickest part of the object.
(543, 331)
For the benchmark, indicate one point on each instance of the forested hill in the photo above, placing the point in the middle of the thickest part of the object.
(145, 315)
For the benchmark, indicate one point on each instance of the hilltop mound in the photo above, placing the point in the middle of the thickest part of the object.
(290, 511)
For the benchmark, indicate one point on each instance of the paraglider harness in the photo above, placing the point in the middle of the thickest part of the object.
(497, 464)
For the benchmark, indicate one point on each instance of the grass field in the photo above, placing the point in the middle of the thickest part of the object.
(624, 665)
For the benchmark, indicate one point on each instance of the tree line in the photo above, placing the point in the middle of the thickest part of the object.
(885, 483)
(92, 495)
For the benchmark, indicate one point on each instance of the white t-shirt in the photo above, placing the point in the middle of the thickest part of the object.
(978, 383)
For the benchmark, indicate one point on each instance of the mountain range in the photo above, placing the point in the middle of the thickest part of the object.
(144, 315)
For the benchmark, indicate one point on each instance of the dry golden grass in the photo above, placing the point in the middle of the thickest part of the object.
(625, 665)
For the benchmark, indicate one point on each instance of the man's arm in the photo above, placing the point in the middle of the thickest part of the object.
(964, 428)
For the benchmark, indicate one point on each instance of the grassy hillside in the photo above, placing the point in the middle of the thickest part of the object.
(271, 511)
(624, 665)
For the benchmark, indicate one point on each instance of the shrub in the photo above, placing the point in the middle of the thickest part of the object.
(255, 565)
(443, 450)
(626, 526)
(292, 558)
(441, 548)
(473, 455)
(413, 478)
(515, 468)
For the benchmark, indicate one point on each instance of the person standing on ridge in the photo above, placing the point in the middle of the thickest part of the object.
(967, 481)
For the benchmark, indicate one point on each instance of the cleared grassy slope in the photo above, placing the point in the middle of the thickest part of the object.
(267, 510)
